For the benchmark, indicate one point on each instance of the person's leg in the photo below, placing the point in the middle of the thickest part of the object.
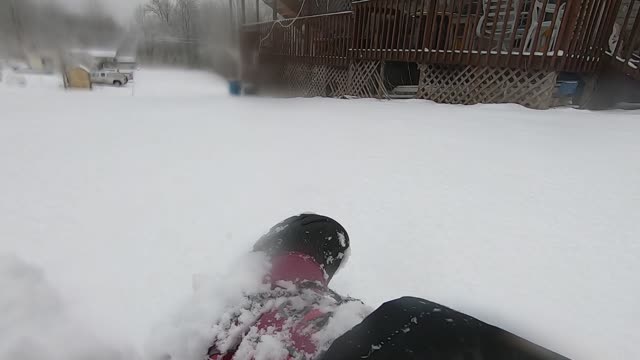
(411, 328)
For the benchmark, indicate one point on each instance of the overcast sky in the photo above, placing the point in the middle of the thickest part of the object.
(120, 8)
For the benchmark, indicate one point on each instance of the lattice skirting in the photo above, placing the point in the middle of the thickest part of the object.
(468, 85)
(310, 80)
(366, 79)
(360, 79)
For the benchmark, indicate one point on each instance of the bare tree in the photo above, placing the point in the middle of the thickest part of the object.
(186, 10)
(162, 9)
(16, 21)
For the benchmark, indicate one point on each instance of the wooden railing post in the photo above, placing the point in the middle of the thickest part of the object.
(565, 33)
(573, 33)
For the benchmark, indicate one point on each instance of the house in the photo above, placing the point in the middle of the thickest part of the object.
(450, 51)
(96, 58)
(44, 61)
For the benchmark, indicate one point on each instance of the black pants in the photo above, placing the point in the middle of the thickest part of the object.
(411, 328)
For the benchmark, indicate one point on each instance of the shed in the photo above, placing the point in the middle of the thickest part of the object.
(78, 77)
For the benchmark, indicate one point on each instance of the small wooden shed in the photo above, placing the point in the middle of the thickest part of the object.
(78, 77)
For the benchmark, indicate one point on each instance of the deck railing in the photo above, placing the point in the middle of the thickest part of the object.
(563, 35)
(319, 38)
(560, 35)
(624, 43)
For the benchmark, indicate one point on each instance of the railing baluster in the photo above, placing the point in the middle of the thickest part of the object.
(503, 32)
(482, 40)
(472, 59)
(439, 35)
(592, 48)
(360, 44)
(433, 15)
(522, 60)
(512, 60)
(538, 30)
(355, 42)
(576, 48)
(367, 29)
(419, 40)
(552, 43)
(589, 30)
(375, 43)
(394, 27)
(450, 38)
(492, 37)
(401, 31)
(335, 36)
(469, 30)
(563, 34)
(413, 8)
(340, 19)
(386, 29)
(579, 62)
(456, 30)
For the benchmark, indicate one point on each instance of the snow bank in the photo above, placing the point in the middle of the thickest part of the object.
(34, 323)
(528, 220)
(33, 82)
(158, 82)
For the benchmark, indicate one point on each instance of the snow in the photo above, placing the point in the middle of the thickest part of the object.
(343, 239)
(270, 348)
(35, 322)
(115, 198)
(15, 81)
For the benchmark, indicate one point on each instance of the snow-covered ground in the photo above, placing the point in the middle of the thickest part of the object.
(113, 199)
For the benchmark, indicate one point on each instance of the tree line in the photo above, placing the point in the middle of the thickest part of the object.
(195, 33)
(29, 24)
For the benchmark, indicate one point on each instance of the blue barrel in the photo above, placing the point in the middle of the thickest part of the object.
(567, 88)
(235, 87)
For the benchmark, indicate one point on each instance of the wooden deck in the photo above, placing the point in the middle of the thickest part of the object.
(550, 35)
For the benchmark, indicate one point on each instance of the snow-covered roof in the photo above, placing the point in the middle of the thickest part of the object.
(85, 68)
(96, 53)
(126, 59)
(102, 53)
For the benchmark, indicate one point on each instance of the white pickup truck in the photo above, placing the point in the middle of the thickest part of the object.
(109, 77)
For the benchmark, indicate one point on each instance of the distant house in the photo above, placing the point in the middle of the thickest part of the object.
(98, 59)
(94, 57)
(42, 60)
(127, 61)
